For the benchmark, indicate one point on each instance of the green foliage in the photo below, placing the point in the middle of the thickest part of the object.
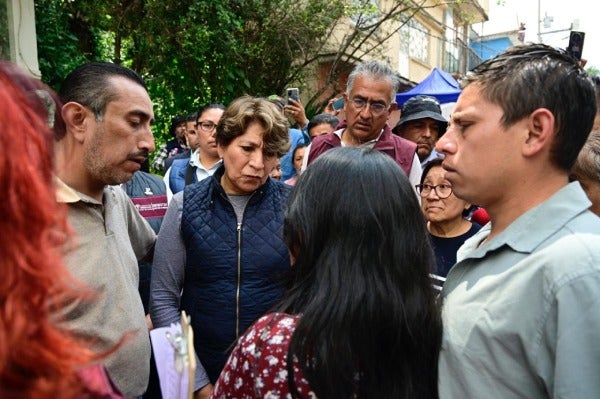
(4, 41)
(59, 48)
(592, 71)
(193, 52)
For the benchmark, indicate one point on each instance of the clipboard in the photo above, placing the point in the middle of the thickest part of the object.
(175, 358)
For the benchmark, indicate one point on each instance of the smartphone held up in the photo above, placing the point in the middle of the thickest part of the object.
(338, 104)
(292, 92)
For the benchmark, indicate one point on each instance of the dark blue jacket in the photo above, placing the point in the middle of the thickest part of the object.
(232, 272)
(149, 195)
(177, 175)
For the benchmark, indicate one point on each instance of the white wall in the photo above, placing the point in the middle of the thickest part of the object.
(22, 36)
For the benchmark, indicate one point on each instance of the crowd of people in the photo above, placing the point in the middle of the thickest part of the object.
(332, 257)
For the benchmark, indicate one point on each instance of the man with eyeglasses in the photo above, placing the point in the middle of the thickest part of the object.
(370, 97)
(204, 160)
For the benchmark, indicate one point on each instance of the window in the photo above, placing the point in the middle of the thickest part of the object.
(415, 37)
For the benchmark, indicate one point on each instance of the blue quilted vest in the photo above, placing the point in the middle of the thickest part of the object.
(232, 273)
(177, 174)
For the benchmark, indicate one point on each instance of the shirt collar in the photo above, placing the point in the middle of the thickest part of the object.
(65, 193)
(545, 219)
(68, 195)
(195, 161)
(370, 143)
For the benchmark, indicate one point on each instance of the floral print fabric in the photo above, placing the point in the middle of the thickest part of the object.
(257, 367)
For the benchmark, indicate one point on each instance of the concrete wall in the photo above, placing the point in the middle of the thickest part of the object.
(20, 27)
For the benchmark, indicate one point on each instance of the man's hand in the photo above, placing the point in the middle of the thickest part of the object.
(296, 111)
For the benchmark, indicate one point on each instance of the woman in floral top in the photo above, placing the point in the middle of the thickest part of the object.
(359, 318)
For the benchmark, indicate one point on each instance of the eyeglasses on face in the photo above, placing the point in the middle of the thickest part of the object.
(206, 126)
(376, 108)
(442, 190)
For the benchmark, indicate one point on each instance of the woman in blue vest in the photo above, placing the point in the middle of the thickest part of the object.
(220, 251)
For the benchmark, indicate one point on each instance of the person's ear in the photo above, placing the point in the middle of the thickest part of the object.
(540, 132)
(76, 118)
(220, 150)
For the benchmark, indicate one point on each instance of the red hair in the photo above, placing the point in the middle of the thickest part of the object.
(38, 359)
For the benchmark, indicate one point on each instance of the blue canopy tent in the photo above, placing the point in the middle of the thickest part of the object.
(438, 84)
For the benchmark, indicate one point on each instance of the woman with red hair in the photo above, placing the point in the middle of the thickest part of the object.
(38, 359)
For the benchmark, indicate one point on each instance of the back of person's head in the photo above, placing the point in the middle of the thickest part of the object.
(588, 161)
(376, 70)
(37, 359)
(596, 80)
(246, 110)
(321, 119)
(587, 169)
(527, 77)
(89, 85)
(361, 280)
(206, 107)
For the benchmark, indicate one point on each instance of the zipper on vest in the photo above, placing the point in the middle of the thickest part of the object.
(239, 282)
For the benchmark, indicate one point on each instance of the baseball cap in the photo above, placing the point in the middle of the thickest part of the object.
(421, 107)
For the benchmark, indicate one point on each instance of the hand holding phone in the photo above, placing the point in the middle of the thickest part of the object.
(292, 92)
(338, 104)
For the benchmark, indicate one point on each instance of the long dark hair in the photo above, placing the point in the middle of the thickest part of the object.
(370, 324)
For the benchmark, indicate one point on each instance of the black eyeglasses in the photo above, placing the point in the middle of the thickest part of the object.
(206, 126)
(376, 108)
(442, 190)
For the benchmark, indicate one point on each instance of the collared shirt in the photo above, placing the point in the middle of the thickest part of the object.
(415, 170)
(521, 312)
(159, 159)
(432, 155)
(201, 172)
(110, 238)
(158, 163)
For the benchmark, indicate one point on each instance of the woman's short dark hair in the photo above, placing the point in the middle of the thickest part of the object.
(298, 147)
(429, 165)
(206, 107)
(370, 325)
(437, 162)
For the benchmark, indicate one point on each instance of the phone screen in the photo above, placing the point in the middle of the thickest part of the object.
(293, 92)
(338, 104)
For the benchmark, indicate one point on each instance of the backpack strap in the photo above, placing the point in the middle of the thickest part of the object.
(190, 174)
